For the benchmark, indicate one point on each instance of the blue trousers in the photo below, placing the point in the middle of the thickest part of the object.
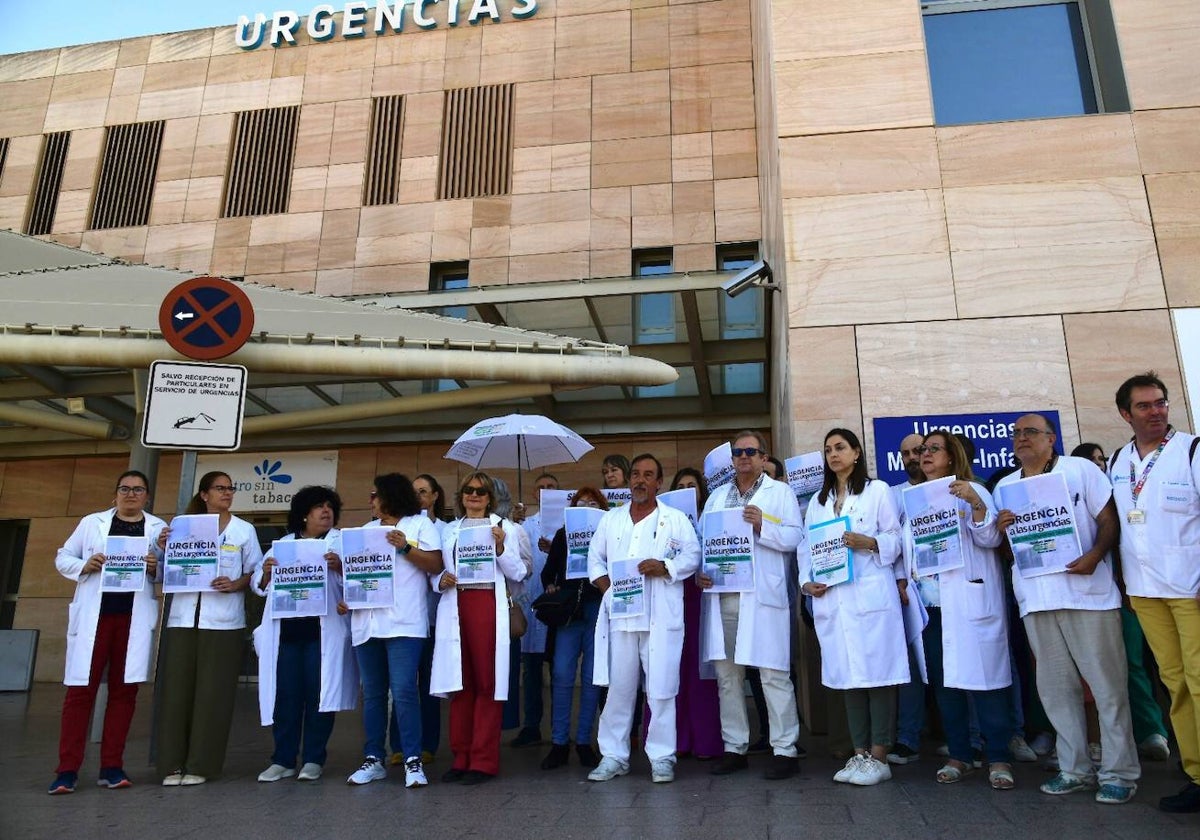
(390, 665)
(431, 707)
(573, 654)
(297, 698)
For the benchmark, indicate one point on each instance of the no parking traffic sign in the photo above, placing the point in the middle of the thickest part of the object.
(206, 318)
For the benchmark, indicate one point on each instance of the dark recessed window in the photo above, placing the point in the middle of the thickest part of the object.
(992, 60)
(259, 180)
(127, 168)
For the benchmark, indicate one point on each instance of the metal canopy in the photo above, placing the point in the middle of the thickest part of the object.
(367, 370)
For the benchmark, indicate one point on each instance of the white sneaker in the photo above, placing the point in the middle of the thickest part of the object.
(1042, 744)
(851, 768)
(662, 770)
(609, 768)
(871, 771)
(1021, 750)
(274, 773)
(414, 772)
(372, 770)
(310, 772)
(1154, 748)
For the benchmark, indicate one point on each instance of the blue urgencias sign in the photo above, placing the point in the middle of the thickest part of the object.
(991, 434)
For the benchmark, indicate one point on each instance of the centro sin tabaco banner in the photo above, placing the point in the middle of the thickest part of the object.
(991, 434)
(266, 481)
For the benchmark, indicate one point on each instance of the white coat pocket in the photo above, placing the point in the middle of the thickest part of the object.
(875, 594)
(73, 619)
(1180, 568)
(1176, 497)
(980, 602)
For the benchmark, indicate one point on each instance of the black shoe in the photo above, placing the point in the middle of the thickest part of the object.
(801, 752)
(557, 757)
(782, 767)
(453, 775)
(759, 747)
(476, 777)
(730, 762)
(527, 737)
(1187, 801)
(587, 756)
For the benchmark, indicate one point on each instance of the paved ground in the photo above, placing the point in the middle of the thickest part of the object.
(528, 803)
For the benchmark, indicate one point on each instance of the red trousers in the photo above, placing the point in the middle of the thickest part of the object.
(474, 715)
(112, 641)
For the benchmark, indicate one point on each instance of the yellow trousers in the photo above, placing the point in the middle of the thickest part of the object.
(1172, 626)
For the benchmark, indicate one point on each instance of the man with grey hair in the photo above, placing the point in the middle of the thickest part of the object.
(753, 628)
(1073, 620)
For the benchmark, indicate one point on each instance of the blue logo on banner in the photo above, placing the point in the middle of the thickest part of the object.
(991, 434)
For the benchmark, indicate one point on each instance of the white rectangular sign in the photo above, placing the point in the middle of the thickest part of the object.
(266, 481)
(194, 405)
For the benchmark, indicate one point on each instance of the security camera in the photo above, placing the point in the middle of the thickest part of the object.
(758, 274)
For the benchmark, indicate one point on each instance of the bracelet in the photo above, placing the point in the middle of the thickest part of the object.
(407, 548)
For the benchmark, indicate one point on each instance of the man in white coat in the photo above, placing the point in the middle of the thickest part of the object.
(1073, 621)
(663, 543)
(105, 629)
(754, 628)
(1156, 485)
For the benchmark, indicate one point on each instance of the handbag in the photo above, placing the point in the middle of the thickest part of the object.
(555, 609)
(517, 622)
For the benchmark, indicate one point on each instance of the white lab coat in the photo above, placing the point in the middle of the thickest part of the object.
(859, 623)
(1160, 558)
(534, 640)
(676, 545)
(339, 668)
(83, 613)
(764, 619)
(446, 677)
(240, 555)
(975, 654)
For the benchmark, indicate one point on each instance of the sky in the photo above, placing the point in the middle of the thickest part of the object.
(28, 24)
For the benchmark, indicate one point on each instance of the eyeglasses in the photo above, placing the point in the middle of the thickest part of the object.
(1029, 433)
(126, 490)
(373, 494)
(222, 488)
(1146, 406)
(474, 491)
(748, 451)
(933, 448)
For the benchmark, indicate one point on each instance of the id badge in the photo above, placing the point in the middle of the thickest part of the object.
(1137, 516)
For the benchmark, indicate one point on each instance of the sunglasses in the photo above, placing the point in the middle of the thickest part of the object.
(933, 447)
(749, 452)
(474, 491)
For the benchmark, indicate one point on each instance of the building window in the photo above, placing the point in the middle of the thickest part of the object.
(3, 154)
(383, 158)
(259, 178)
(127, 169)
(992, 60)
(447, 277)
(477, 142)
(654, 313)
(44, 201)
(743, 316)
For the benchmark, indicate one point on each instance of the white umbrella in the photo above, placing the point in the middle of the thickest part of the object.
(518, 441)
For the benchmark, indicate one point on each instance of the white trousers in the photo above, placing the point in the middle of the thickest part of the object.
(1069, 644)
(782, 718)
(629, 655)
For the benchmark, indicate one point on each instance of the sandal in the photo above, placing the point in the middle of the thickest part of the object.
(1000, 777)
(949, 774)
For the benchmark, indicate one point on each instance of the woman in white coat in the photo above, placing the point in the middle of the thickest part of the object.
(966, 639)
(105, 629)
(471, 645)
(306, 668)
(859, 623)
(205, 637)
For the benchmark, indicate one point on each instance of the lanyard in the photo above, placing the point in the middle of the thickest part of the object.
(1136, 489)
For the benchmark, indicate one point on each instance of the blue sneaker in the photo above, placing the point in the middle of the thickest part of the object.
(1064, 784)
(113, 778)
(1111, 794)
(63, 783)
